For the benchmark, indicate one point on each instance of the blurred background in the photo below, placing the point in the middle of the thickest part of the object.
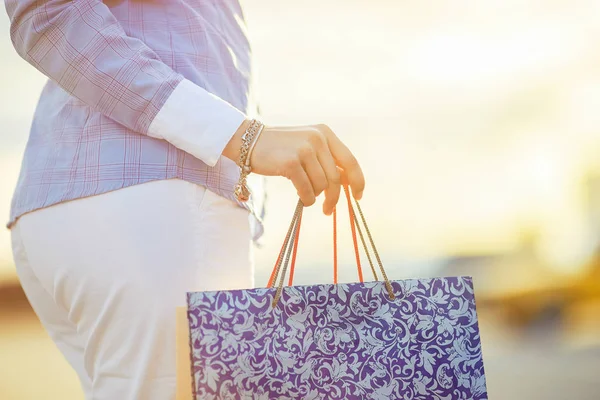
(478, 128)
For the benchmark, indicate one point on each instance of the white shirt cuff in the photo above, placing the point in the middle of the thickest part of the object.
(197, 122)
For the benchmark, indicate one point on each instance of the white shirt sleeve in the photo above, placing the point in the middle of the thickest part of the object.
(197, 122)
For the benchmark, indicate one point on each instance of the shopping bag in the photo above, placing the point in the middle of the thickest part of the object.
(402, 339)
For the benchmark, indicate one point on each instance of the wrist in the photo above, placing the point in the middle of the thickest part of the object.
(255, 139)
(233, 147)
(249, 137)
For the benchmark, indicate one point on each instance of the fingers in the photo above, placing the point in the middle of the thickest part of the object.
(332, 193)
(345, 159)
(302, 183)
(315, 173)
(328, 178)
(313, 167)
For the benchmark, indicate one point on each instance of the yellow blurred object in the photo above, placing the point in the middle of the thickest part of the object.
(520, 290)
(581, 328)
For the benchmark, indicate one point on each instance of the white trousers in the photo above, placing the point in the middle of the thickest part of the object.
(105, 274)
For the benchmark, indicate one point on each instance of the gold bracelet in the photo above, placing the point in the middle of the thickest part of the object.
(254, 141)
(241, 191)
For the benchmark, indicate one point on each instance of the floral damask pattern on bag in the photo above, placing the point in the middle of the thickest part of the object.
(347, 341)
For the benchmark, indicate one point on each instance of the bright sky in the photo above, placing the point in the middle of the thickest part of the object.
(473, 121)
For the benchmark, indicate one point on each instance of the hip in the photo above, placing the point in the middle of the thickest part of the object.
(156, 232)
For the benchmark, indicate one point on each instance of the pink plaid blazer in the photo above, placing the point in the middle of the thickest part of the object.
(112, 65)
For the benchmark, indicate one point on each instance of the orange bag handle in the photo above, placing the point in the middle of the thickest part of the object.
(335, 261)
(288, 250)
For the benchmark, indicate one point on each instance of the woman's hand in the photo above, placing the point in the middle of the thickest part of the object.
(309, 156)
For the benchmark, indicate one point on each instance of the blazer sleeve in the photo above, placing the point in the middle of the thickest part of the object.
(82, 47)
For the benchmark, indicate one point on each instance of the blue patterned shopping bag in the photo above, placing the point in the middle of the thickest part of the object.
(404, 339)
